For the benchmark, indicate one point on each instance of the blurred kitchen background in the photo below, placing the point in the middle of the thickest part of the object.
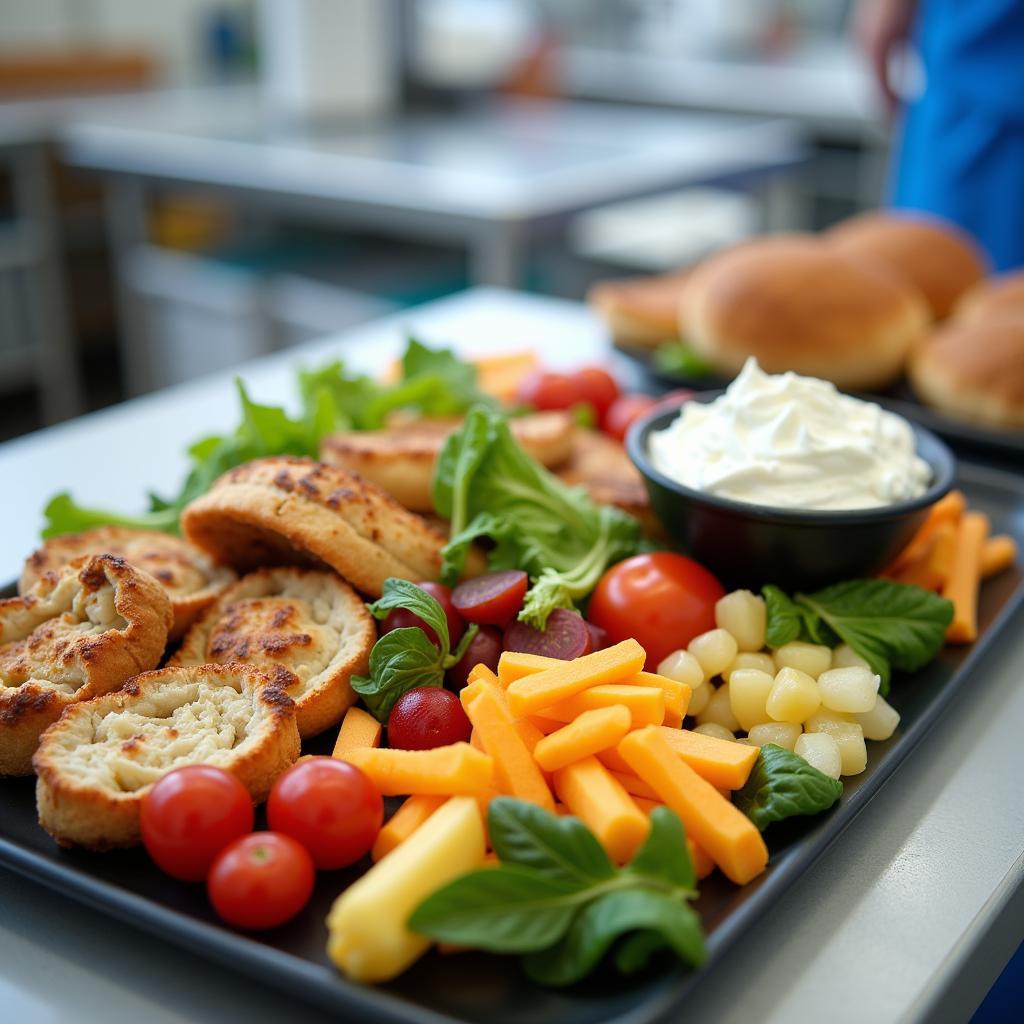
(190, 183)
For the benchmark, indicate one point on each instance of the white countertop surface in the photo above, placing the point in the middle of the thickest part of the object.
(925, 881)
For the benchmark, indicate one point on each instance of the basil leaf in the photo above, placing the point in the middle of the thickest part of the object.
(634, 951)
(403, 594)
(562, 849)
(607, 918)
(467, 638)
(782, 785)
(787, 620)
(885, 622)
(400, 661)
(665, 856)
(507, 909)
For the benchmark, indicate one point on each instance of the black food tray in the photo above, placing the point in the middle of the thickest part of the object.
(477, 987)
(900, 398)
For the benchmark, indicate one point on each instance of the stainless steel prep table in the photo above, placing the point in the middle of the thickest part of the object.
(495, 177)
(910, 916)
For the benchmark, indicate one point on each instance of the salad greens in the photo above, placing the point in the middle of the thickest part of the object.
(433, 381)
(679, 359)
(781, 785)
(558, 899)
(404, 658)
(889, 624)
(487, 486)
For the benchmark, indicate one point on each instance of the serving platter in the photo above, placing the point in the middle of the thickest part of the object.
(900, 399)
(476, 987)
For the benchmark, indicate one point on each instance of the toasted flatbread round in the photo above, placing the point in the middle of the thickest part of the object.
(78, 633)
(292, 511)
(96, 764)
(401, 459)
(190, 578)
(641, 312)
(309, 629)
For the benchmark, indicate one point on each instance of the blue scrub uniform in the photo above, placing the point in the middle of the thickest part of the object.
(962, 151)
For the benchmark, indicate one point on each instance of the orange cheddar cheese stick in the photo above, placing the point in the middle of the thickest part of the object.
(403, 823)
(530, 733)
(722, 763)
(515, 771)
(703, 865)
(724, 832)
(962, 586)
(635, 786)
(947, 509)
(481, 671)
(677, 694)
(646, 704)
(998, 553)
(587, 788)
(513, 665)
(614, 761)
(358, 729)
(475, 741)
(444, 771)
(565, 680)
(932, 568)
(591, 732)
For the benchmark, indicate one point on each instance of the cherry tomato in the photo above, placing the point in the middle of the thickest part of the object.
(598, 387)
(545, 390)
(493, 599)
(190, 815)
(623, 411)
(485, 648)
(662, 599)
(425, 718)
(399, 618)
(261, 880)
(330, 807)
(675, 397)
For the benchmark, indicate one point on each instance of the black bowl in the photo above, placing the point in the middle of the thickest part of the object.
(749, 545)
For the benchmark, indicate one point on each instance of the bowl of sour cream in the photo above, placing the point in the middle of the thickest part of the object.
(783, 479)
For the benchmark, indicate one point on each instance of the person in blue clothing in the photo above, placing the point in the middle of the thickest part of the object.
(961, 150)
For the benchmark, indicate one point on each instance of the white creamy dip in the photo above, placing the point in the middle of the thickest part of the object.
(786, 441)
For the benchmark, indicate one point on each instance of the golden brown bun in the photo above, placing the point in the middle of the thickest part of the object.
(97, 763)
(79, 632)
(401, 459)
(932, 255)
(308, 629)
(192, 581)
(998, 298)
(799, 305)
(291, 511)
(641, 312)
(974, 372)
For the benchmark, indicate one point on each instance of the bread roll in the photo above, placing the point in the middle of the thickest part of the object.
(932, 255)
(974, 372)
(641, 312)
(799, 305)
(998, 298)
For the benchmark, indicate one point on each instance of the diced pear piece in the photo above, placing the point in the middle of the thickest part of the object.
(744, 615)
(820, 751)
(880, 722)
(782, 734)
(715, 651)
(810, 658)
(794, 697)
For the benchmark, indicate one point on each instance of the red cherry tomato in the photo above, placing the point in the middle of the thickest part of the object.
(663, 600)
(493, 599)
(485, 648)
(624, 410)
(330, 807)
(425, 718)
(598, 387)
(190, 815)
(675, 397)
(399, 618)
(546, 390)
(261, 880)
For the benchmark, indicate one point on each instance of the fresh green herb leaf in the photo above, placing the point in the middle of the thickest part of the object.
(609, 917)
(665, 857)
(557, 897)
(503, 910)
(64, 515)
(398, 593)
(781, 785)
(679, 359)
(564, 849)
(888, 624)
(486, 485)
(400, 661)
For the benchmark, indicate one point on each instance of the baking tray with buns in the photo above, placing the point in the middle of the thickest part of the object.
(899, 307)
(126, 885)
